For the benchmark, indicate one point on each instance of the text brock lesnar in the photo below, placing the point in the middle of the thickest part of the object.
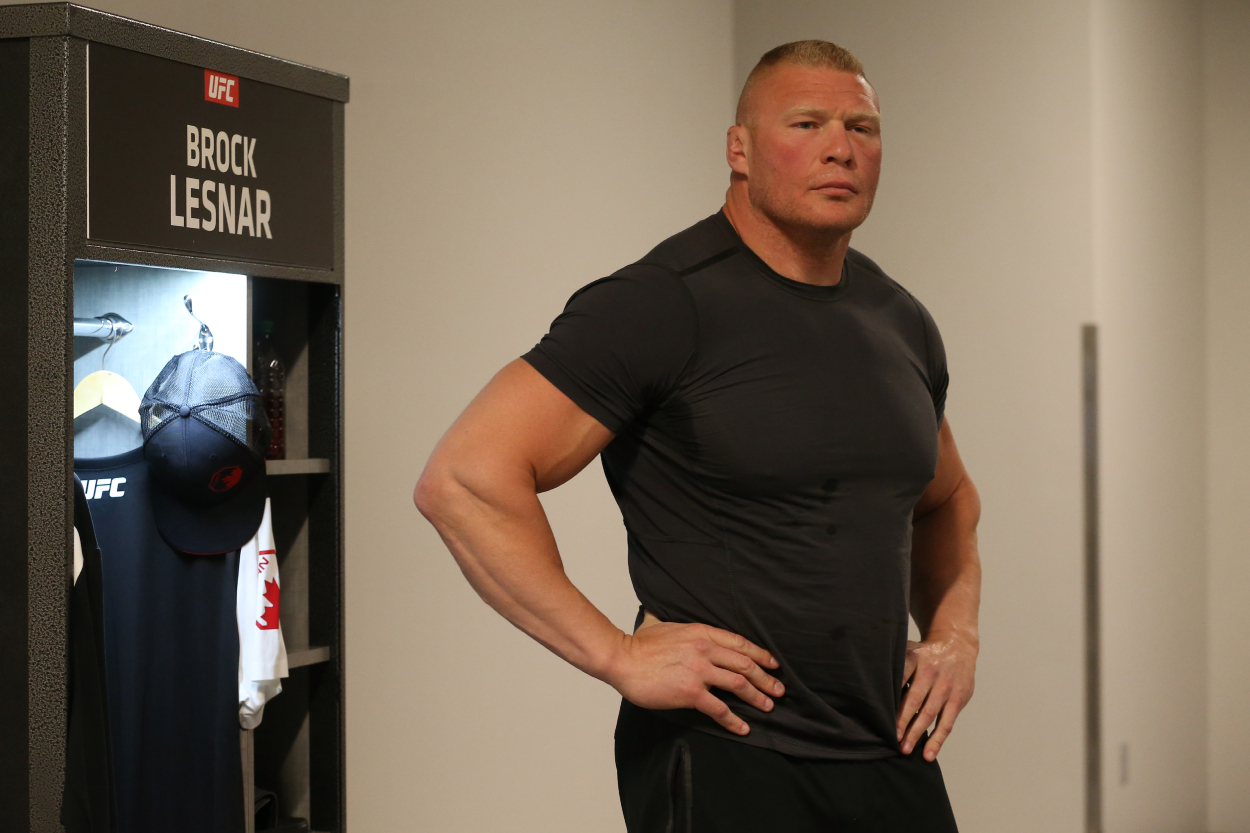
(222, 210)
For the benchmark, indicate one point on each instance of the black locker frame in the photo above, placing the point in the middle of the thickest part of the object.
(43, 171)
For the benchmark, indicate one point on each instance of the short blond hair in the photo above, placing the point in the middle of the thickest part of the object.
(801, 53)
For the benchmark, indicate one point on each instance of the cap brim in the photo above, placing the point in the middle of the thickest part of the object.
(211, 530)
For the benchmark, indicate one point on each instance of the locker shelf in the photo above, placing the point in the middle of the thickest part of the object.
(310, 465)
(299, 657)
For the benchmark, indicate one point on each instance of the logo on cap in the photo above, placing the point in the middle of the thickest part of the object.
(226, 479)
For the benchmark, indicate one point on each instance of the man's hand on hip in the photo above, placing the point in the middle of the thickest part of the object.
(665, 665)
(940, 671)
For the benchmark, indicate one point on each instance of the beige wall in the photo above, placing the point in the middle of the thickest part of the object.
(1226, 50)
(1149, 301)
(983, 213)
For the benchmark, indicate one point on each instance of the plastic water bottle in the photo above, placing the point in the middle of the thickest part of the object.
(269, 373)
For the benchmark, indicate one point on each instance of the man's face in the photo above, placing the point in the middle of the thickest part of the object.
(810, 148)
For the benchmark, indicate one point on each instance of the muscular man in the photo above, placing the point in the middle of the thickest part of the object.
(768, 407)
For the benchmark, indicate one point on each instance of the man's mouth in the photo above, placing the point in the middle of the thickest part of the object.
(836, 188)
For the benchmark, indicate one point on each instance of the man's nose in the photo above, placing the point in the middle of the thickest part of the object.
(838, 147)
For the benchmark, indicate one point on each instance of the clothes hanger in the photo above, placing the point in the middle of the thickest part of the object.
(204, 339)
(112, 390)
(107, 388)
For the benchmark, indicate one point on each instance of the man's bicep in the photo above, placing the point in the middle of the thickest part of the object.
(949, 474)
(521, 426)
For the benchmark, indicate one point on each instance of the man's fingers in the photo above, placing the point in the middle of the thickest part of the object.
(924, 718)
(715, 708)
(739, 643)
(741, 686)
(912, 702)
(945, 723)
(906, 714)
(747, 667)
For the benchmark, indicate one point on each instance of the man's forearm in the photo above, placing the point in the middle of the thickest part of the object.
(946, 568)
(945, 593)
(500, 537)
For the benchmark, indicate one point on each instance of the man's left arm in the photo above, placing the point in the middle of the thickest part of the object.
(945, 595)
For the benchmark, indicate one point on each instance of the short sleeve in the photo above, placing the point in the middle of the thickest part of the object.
(939, 378)
(621, 344)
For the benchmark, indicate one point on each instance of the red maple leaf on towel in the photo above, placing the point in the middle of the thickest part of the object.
(269, 619)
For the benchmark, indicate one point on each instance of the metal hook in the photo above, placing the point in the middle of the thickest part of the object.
(118, 328)
(203, 341)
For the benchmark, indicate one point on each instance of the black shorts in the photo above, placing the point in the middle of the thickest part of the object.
(674, 779)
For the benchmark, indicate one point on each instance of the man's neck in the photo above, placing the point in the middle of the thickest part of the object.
(808, 257)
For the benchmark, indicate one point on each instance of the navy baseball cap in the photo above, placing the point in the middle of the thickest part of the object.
(204, 437)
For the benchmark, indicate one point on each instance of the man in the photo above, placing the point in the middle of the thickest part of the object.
(769, 410)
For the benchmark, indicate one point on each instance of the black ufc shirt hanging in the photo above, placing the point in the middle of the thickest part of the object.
(87, 799)
(171, 646)
(772, 439)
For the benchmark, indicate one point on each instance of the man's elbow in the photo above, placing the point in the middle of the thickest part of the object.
(971, 501)
(450, 490)
(432, 495)
(963, 502)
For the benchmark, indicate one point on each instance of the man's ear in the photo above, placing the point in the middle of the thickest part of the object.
(737, 149)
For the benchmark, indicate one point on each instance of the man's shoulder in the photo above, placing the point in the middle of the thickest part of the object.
(863, 261)
(687, 250)
(655, 281)
(875, 276)
(868, 268)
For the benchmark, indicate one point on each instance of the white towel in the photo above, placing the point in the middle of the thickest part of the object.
(262, 652)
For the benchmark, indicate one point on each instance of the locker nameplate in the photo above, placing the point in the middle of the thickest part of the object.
(170, 169)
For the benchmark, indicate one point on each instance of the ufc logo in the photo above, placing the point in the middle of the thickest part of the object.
(96, 489)
(221, 88)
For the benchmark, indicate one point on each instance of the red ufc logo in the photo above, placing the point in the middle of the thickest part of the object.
(221, 88)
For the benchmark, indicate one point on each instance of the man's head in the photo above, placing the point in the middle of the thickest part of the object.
(806, 148)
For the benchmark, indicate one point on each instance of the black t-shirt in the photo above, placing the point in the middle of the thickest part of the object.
(87, 799)
(772, 439)
(171, 658)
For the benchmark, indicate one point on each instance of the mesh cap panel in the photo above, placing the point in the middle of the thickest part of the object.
(243, 419)
(218, 392)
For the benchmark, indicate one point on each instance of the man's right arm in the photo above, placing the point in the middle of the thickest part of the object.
(521, 436)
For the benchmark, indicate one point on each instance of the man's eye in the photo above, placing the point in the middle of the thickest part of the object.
(806, 125)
